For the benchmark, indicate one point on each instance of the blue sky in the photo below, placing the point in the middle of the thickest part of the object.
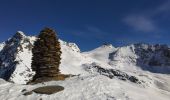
(89, 23)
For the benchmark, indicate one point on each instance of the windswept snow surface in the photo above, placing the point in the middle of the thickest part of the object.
(90, 82)
(93, 87)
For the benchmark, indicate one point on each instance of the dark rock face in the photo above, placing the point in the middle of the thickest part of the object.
(46, 54)
(1, 62)
(10, 59)
(153, 55)
(154, 58)
(154, 62)
(8, 55)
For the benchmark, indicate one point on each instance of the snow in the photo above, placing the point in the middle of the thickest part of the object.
(2, 45)
(21, 33)
(72, 60)
(23, 69)
(93, 84)
(23, 72)
(93, 87)
(71, 54)
(16, 58)
(124, 58)
(101, 53)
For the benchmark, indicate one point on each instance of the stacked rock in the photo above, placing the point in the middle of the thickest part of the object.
(46, 54)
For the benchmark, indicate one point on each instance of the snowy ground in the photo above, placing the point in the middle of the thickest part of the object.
(93, 87)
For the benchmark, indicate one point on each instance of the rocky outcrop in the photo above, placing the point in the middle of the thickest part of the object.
(111, 73)
(153, 55)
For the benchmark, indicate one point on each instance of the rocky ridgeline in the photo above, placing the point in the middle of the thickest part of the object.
(111, 73)
(153, 58)
(7, 57)
(72, 46)
(153, 55)
(16, 54)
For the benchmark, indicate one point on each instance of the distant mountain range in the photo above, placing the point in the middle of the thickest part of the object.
(137, 64)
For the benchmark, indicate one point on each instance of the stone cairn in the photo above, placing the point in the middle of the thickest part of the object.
(46, 55)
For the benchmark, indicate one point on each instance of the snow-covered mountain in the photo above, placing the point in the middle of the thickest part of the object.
(154, 58)
(133, 72)
(15, 58)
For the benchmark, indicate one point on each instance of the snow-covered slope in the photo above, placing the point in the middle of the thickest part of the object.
(124, 58)
(101, 53)
(96, 87)
(154, 58)
(134, 72)
(71, 53)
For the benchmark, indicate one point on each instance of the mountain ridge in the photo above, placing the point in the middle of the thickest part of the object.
(106, 72)
(21, 45)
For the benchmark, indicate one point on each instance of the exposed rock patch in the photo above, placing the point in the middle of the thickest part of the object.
(111, 73)
(46, 90)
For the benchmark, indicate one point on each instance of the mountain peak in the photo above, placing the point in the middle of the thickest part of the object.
(107, 45)
(19, 35)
